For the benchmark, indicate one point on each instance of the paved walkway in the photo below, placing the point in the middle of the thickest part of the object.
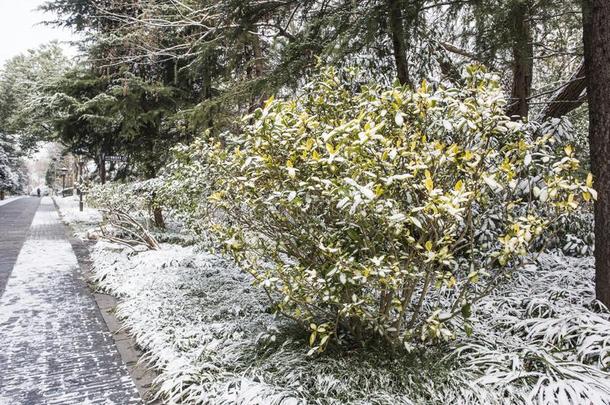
(15, 219)
(54, 345)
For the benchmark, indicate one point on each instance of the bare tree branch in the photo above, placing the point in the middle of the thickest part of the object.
(568, 97)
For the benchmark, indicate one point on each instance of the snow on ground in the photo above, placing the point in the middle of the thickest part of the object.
(70, 214)
(10, 199)
(542, 339)
(213, 338)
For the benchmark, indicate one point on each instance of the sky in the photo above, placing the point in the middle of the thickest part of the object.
(20, 29)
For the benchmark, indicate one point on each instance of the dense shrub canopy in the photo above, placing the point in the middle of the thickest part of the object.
(367, 211)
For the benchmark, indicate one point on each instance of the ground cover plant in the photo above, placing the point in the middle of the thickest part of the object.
(368, 211)
(214, 339)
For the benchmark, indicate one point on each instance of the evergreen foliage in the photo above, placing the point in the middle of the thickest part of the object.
(358, 210)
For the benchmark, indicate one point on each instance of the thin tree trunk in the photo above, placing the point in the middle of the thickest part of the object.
(259, 67)
(448, 69)
(596, 34)
(158, 217)
(75, 178)
(399, 43)
(523, 62)
(102, 169)
(259, 62)
(206, 89)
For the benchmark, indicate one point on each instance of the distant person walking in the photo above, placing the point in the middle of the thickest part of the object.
(38, 192)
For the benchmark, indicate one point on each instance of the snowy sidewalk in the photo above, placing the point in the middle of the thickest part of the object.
(9, 200)
(54, 345)
(15, 219)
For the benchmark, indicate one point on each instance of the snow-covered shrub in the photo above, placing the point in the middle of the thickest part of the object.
(129, 210)
(188, 180)
(138, 197)
(573, 233)
(132, 196)
(382, 212)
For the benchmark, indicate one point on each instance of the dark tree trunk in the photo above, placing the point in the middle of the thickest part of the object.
(206, 91)
(155, 206)
(399, 41)
(257, 50)
(157, 211)
(259, 69)
(596, 34)
(523, 59)
(567, 98)
(102, 169)
(448, 69)
(158, 217)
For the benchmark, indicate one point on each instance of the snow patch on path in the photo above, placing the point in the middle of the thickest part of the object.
(10, 199)
(54, 346)
(71, 214)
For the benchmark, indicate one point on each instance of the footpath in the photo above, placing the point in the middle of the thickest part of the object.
(55, 347)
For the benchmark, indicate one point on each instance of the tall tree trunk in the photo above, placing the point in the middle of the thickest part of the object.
(596, 34)
(102, 169)
(399, 40)
(149, 171)
(523, 59)
(206, 90)
(75, 177)
(158, 217)
(157, 212)
(259, 68)
(257, 50)
(255, 71)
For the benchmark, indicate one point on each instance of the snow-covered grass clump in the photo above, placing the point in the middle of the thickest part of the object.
(80, 221)
(214, 339)
(543, 338)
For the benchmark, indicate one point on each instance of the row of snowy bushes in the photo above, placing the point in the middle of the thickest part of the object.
(139, 198)
(374, 213)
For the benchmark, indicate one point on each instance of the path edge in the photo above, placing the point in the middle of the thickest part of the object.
(142, 375)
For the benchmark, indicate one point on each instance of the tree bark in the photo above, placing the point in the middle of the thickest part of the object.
(259, 67)
(158, 217)
(523, 59)
(102, 169)
(568, 97)
(448, 69)
(399, 43)
(596, 35)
